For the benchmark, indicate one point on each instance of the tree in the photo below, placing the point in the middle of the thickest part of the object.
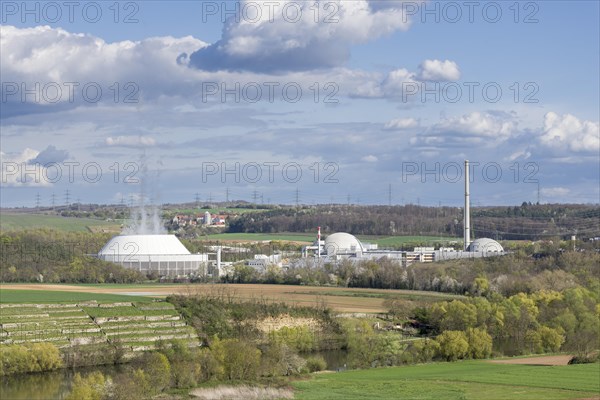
(241, 360)
(453, 345)
(480, 343)
(455, 315)
(47, 356)
(35, 357)
(398, 308)
(551, 339)
(423, 350)
(278, 359)
(299, 338)
(211, 367)
(520, 316)
(316, 363)
(133, 385)
(92, 387)
(184, 370)
(481, 286)
(158, 369)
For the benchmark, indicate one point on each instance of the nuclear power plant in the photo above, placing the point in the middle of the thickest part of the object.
(165, 255)
(340, 245)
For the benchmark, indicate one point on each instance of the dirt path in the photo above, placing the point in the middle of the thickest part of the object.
(544, 360)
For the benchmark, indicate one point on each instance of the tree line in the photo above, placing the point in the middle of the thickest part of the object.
(527, 269)
(51, 256)
(526, 222)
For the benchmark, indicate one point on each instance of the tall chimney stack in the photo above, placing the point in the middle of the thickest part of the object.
(467, 216)
(319, 242)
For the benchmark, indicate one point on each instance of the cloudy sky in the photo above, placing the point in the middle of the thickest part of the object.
(278, 101)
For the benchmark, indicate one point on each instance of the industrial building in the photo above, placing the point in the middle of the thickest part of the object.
(338, 246)
(344, 246)
(161, 254)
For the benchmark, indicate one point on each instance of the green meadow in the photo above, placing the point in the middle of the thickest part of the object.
(259, 237)
(47, 296)
(397, 241)
(461, 380)
(34, 221)
(382, 241)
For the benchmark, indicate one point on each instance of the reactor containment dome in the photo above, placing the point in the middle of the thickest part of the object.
(162, 254)
(485, 245)
(342, 243)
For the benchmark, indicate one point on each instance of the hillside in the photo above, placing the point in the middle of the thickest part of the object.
(131, 326)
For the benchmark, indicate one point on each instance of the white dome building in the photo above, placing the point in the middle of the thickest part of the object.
(163, 254)
(485, 245)
(342, 244)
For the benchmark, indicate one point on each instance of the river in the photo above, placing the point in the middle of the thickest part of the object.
(56, 385)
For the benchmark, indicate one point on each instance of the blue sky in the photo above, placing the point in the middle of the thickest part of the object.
(393, 93)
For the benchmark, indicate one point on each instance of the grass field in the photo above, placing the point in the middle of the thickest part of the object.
(339, 299)
(258, 237)
(32, 221)
(382, 241)
(47, 296)
(216, 210)
(461, 380)
(397, 241)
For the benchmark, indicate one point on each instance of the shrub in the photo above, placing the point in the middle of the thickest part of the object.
(480, 343)
(36, 357)
(588, 359)
(158, 369)
(453, 345)
(316, 363)
(92, 387)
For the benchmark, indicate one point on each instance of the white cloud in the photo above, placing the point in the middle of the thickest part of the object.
(130, 141)
(370, 158)
(436, 70)
(158, 72)
(401, 123)
(521, 154)
(277, 42)
(481, 124)
(568, 132)
(57, 57)
(20, 170)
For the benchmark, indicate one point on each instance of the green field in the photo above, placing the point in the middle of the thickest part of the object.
(33, 221)
(399, 294)
(216, 210)
(382, 241)
(258, 237)
(46, 296)
(397, 241)
(461, 380)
